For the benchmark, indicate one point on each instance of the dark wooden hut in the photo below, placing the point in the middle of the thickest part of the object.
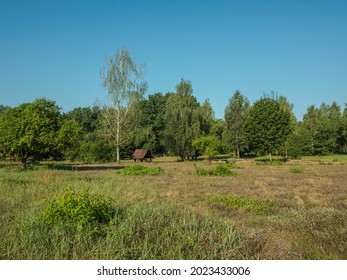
(142, 154)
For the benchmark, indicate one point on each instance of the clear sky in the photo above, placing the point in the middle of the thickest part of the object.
(55, 49)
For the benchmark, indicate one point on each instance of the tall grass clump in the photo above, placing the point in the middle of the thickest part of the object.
(219, 170)
(80, 211)
(141, 170)
(251, 205)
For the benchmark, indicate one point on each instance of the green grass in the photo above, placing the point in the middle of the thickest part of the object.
(251, 205)
(219, 170)
(296, 170)
(141, 170)
(96, 213)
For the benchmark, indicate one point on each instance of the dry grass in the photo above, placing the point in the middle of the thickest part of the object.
(309, 221)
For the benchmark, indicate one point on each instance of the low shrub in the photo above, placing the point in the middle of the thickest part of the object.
(219, 170)
(247, 204)
(141, 170)
(82, 212)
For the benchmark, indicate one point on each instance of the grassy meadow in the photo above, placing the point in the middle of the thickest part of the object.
(175, 210)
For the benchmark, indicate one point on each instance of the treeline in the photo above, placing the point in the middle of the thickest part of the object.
(173, 124)
(168, 124)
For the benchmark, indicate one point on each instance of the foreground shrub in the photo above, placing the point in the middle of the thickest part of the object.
(141, 170)
(220, 170)
(247, 204)
(82, 212)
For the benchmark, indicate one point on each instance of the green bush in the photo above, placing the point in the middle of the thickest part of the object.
(219, 170)
(82, 212)
(141, 170)
(247, 204)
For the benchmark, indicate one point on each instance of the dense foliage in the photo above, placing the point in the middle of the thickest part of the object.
(35, 131)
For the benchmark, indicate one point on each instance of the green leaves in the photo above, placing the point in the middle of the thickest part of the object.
(235, 115)
(36, 130)
(141, 170)
(83, 211)
(219, 170)
(267, 126)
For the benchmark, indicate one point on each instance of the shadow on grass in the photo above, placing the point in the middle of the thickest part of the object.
(80, 167)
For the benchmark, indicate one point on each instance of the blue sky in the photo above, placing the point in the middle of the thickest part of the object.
(56, 49)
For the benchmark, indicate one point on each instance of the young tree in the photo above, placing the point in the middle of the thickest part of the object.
(209, 146)
(182, 121)
(34, 131)
(123, 80)
(267, 126)
(235, 115)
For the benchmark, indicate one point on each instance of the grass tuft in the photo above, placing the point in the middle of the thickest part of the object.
(219, 170)
(251, 205)
(141, 170)
(296, 170)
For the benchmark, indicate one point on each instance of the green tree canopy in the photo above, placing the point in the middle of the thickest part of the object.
(235, 115)
(182, 121)
(323, 126)
(88, 118)
(209, 146)
(267, 126)
(33, 131)
(124, 82)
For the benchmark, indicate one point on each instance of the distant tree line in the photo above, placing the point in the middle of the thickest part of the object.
(174, 124)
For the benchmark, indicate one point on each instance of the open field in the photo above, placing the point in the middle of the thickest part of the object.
(293, 210)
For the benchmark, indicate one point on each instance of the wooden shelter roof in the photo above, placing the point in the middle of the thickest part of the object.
(141, 154)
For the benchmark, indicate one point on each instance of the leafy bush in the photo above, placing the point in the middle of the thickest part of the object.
(247, 204)
(82, 212)
(141, 170)
(220, 170)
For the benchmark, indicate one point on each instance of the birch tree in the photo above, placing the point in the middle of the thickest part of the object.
(123, 80)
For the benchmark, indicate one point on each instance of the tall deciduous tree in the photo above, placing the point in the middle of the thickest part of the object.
(151, 135)
(124, 82)
(235, 115)
(182, 121)
(267, 126)
(36, 130)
